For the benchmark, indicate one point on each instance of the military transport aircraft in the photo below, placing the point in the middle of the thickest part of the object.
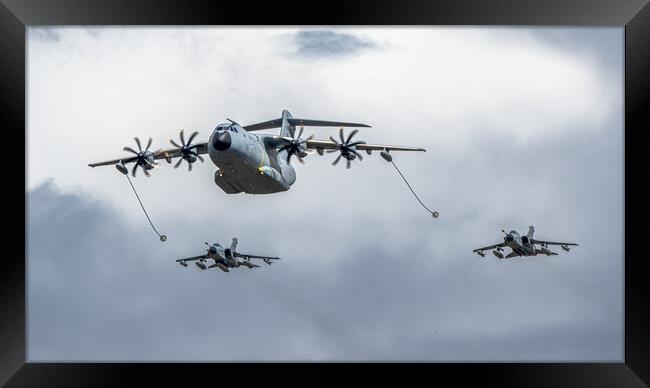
(254, 163)
(522, 245)
(225, 258)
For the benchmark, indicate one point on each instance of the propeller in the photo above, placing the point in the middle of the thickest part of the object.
(187, 150)
(296, 146)
(347, 149)
(144, 159)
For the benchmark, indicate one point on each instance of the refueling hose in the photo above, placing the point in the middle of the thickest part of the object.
(433, 213)
(162, 237)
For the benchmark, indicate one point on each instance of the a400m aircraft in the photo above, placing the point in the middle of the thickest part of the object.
(254, 163)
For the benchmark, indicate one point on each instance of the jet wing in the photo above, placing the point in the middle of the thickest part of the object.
(169, 154)
(541, 242)
(266, 259)
(193, 258)
(499, 245)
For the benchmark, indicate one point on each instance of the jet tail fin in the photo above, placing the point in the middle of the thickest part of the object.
(233, 244)
(531, 231)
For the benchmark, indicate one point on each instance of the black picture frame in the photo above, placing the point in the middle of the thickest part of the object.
(16, 15)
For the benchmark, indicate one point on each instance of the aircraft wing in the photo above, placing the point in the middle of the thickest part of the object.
(499, 245)
(193, 258)
(266, 259)
(124, 160)
(169, 154)
(541, 242)
(326, 144)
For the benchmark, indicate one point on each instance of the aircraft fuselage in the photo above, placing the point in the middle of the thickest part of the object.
(247, 162)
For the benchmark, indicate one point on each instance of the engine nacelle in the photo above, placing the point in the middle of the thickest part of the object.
(480, 253)
(498, 254)
(566, 248)
(184, 264)
(200, 265)
(387, 157)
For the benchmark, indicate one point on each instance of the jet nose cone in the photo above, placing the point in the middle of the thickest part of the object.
(221, 141)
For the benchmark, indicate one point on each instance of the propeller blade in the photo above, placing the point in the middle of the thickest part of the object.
(174, 144)
(200, 158)
(137, 141)
(310, 137)
(148, 144)
(146, 172)
(129, 149)
(348, 164)
(189, 166)
(182, 137)
(289, 157)
(300, 133)
(180, 160)
(336, 160)
(334, 141)
(192, 136)
(358, 155)
(135, 166)
(351, 135)
(356, 143)
(341, 135)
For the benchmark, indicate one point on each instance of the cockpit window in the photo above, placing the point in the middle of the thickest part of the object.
(226, 127)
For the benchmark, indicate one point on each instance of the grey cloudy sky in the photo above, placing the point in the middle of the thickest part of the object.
(522, 126)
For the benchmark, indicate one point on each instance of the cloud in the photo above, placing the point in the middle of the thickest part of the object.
(518, 131)
(327, 43)
(99, 289)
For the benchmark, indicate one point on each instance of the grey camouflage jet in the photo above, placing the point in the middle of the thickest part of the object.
(255, 163)
(522, 245)
(225, 258)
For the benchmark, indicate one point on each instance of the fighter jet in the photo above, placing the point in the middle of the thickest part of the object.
(522, 245)
(254, 163)
(225, 258)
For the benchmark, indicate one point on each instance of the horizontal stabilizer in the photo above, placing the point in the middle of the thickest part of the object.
(277, 123)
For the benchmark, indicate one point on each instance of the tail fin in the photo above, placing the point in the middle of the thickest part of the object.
(287, 129)
(233, 244)
(531, 230)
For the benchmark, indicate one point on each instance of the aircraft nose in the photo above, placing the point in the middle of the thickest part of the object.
(222, 141)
